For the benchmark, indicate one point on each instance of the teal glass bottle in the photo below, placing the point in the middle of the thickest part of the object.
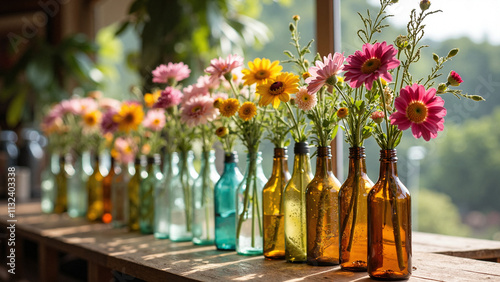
(151, 178)
(162, 210)
(203, 200)
(225, 203)
(48, 184)
(181, 196)
(78, 171)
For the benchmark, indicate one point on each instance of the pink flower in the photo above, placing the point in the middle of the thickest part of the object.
(204, 81)
(177, 72)
(325, 72)
(85, 105)
(192, 91)
(168, 98)
(220, 67)
(305, 100)
(124, 150)
(420, 109)
(108, 125)
(454, 79)
(155, 119)
(109, 103)
(368, 65)
(378, 116)
(198, 110)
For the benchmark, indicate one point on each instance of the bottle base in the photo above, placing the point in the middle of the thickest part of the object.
(250, 252)
(275, 255)
(389, 275)
(354, 266)
(323, 261)
(225, 247)
(159, 235)
(201, 242)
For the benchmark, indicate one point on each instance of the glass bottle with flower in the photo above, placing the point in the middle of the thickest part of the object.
(404, 103)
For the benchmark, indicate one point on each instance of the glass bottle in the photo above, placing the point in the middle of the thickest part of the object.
(78, 173)
(295, 205)
(353, 200)
(162, 210)
(203, 200)
(48, 185)
(133, 193)
(322, 211)
(181, 207)
(225, 203)
(272, 200)
(109, 174)
(119, 195)
(249, 230)
(389, 223)
(95, 206)
(151, 178)
(61, 202)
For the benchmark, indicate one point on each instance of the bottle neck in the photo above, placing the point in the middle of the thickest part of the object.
(388, 163)
(230, 161)
(254, 163)
(280, 162)
(357, 160)
(323, 161)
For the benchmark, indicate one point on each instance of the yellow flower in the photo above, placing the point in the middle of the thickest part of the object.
(229, 107)
(247, 111)
(306, 75)
(221, 131)
(129, 117)
(260, 70)
(278, 89)
(342, 112)
(151, 98)
(218, 102)
(92, 118)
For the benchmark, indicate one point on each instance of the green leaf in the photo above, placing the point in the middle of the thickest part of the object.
(15, 109)
(335, 129)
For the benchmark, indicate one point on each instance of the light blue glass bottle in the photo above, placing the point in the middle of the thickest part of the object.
(119, 194)
(181, 197)
(203, 200)
(151, 177)
(225, 203)
(162, 195)
(48, 185)
(78, 172)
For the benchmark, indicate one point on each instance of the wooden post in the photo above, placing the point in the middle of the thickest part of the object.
(48, 263)
(328, 41)
(98, 273)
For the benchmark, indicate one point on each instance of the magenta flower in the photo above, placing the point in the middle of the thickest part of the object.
(198, 110)
(454, 79)
(305, 100)
(220, 67)
(368, 65)
(155, 119)
(169, 97)
(171, 71)
(108, 125)
(325, 72)
(420, 109)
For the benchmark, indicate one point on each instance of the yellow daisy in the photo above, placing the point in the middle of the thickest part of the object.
(247, 111)
(151, 98)
(221, 131)
(260, 70)
(342, 112)
(129, 117)
(92, 118)
(278, 89)
(229, 107)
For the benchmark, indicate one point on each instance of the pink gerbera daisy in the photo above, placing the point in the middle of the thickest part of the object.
(198, 110)
(168, 98)
(171, 71)
(124, 150)
(155, 119)
(368, 65)
(220, 67)
(420, 109)
(305, 100)
(325, 72)
(192, 91)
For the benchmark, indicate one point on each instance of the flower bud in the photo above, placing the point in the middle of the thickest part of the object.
(425, 4)
(435, 57)
(217, 102)
(306, 63)
(291, 27)
(296, 18)
(394, 1)
(401, 41)
(453, 52)
(441, 88)
(378, 116)
(305, 75)
(221, 131)
(477, 98)
(454, 79)
(342, 112)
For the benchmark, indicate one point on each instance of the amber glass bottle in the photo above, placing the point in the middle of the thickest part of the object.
(95, 207)
(106, 193)
(322, 212)
(272, 201)
(389, 223)
(353, 197)
(61, 201)
(133, 194)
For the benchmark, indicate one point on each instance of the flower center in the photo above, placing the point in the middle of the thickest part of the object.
(129, 118)
(196, 109)
(416, 111)
(276, 88)
(370, 65)
(305, 98)
(156, 121)
(261, 74)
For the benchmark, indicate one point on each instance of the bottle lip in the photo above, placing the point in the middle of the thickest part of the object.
(154, 159)
(388, 155)
(231, 157)
(357, 152)
(301, 148)
(280, 152)
(324, 151)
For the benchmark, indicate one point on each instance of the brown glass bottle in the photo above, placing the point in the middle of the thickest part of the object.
(61, 201)
(353, 197)
(106, 193)
(272, 201)
(95, 206)
(322, 212)
(389, 223)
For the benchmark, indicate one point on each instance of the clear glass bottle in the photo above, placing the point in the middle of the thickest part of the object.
(181, 197)
(133, 193)
(203, 200)
(272, 201)
(353, 201)
(151, 179)
(48, 185)
(162, 210)
(295, 205)
(78, 172)
(61, 202)
(109, 174)
(389, 223)
(322, 211)
(95, 207)
(249, 229)
(119, 195)
(225, 203)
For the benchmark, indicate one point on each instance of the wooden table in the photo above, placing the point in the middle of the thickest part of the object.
(435, 257)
